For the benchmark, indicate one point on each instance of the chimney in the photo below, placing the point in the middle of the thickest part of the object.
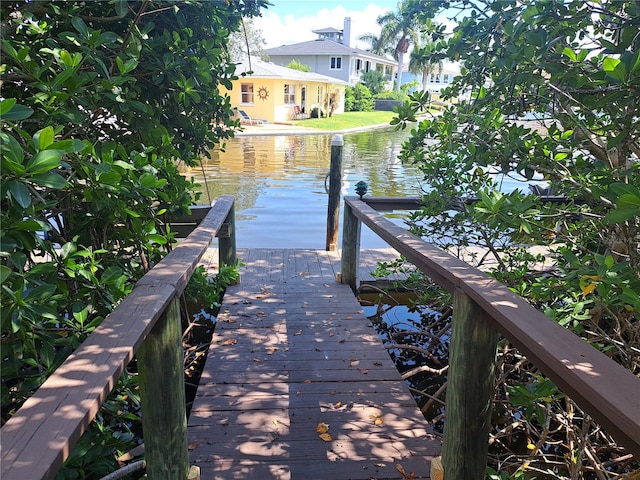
(346, 32)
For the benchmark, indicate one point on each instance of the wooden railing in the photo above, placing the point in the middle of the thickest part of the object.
(483, 307)
(39, 437)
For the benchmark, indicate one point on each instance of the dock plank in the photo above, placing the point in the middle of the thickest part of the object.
(293, 348)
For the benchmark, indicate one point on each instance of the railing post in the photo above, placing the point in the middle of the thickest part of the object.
(470, 388)
(164, 418)
(335, 185)
(227, 243)
(350, 260)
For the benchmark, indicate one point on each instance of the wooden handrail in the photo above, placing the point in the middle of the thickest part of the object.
(39, 437)
(606, 390)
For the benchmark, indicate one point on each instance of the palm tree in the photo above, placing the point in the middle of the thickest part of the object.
(400, 28)
(376, 45)
(422, 60)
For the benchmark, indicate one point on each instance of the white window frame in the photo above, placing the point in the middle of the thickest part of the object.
(335, 63)
(246, 94)
(289, 94)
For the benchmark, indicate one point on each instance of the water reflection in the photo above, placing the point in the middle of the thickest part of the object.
(278, 182)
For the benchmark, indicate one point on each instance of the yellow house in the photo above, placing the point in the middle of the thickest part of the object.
(278, 94)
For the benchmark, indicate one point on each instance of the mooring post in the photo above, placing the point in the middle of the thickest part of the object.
(335, 185)
(350, 260)
(164, 417)
(470, 387)
(227, 242)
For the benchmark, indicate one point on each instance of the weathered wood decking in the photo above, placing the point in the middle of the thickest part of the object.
(293, 349)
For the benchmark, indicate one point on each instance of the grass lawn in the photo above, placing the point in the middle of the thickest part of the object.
(343, 121)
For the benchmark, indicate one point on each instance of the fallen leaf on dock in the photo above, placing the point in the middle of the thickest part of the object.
(364, 371)
(193, 446)
(230, 341)
(261, 314)
(400, 469)
(322, 428)
(378, 421)
(299, 332)
(354, 363)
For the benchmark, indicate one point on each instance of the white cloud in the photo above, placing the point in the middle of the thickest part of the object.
(288, 29)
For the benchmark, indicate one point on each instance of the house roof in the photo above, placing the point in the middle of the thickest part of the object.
(327, 30)
(323, 46)
(263, 69)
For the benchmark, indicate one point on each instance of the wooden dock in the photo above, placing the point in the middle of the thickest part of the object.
(293, 350)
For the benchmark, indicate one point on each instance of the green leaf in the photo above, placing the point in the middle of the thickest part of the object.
(110, 178)
(40, 293)
(629, 200)
(620, 215)
(6, 105)
(20, 193)
(43, 138)
(17, 112)
(5, 272)
(614, 68)
(50, 179)
(44, 161)
(80, 26)
(32, 226)
(159, 239)
(147, 180)
(568, 52)
(68, 249)
(12, 151)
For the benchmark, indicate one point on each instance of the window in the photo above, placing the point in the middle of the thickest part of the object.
(319, 101)
(358, 64)
(290, 94)
(336, 63)
(445, 78)
(367, 66)
(247, 92)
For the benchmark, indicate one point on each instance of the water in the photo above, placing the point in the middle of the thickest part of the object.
(278, 183)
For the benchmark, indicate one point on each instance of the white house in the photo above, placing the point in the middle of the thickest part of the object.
(331, 54)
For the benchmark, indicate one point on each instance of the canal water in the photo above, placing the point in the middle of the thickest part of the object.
(279, 183)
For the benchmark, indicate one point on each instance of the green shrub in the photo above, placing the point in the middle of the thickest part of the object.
(358, 99)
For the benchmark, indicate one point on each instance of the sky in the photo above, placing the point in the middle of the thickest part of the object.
(292, 21)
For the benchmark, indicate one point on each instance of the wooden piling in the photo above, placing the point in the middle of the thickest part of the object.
(472, 360)
(350, 260)
(164, 419)
(335, 185)
(227, 242)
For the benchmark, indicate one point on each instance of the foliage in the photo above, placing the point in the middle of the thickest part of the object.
(297, 65)
(374, 80)
(553, 91)
(101, 102)
(358, 99)
(393, 95)
(209, 290)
